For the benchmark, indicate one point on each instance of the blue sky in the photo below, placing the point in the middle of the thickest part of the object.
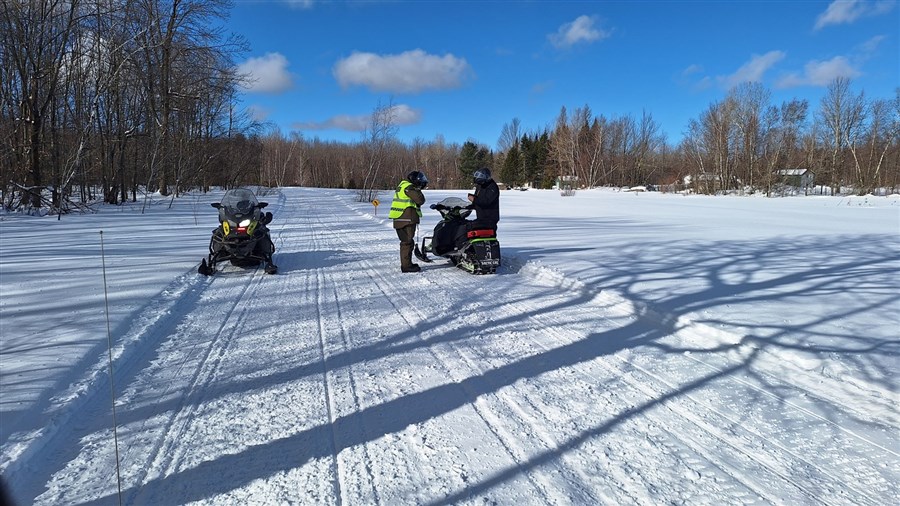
(462, 69)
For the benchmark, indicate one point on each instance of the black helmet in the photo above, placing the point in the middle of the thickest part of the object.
(418, 179)
(482, 175)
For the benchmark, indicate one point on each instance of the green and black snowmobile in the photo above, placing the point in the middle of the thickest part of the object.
(474, 250)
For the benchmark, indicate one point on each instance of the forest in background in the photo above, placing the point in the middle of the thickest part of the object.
(105, 100)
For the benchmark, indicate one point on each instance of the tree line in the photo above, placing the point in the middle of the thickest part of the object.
(111, 99)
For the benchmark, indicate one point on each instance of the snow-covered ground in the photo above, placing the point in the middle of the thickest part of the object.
(635, 348)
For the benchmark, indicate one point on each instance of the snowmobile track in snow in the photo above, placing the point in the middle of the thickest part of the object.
(740, 439)
(568, 394)
(745, 442)
(202, 372)
(414, 321)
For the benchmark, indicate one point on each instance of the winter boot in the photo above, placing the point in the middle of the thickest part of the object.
(406, 263)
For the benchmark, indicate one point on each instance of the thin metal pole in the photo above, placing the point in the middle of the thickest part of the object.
(112, 386)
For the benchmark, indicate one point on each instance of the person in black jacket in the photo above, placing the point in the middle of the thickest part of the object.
(485, 201)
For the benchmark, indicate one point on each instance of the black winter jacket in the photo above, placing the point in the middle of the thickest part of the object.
(487, 204)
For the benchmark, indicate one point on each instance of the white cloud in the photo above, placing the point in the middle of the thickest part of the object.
(848, 11)
(402, 115)
(580, 30)
(266, 74)
(409, 72)
(753, 70)
(820, 73)
(405, 115)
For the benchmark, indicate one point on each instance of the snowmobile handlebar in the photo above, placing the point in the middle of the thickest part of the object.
(441, 207)
(260, 205)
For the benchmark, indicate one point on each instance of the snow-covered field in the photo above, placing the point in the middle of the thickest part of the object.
(633, 349)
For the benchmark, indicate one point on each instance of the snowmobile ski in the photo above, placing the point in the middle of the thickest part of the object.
(421, 255)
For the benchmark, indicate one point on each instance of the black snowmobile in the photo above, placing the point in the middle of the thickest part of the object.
(476, 251)
(242, 236)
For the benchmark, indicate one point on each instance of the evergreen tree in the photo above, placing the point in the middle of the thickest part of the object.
(511, 172)
(468, 160)
(535, 161)
(473, 157)
(527, 157)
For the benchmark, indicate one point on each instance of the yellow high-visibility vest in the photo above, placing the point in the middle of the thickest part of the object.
(402, 201)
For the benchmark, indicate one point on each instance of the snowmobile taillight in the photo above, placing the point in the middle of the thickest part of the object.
(480, 233)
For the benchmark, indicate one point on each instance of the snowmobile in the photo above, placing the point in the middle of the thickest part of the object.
(242, 236)
(476, 251)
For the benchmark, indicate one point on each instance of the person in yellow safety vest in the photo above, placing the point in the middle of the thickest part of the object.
(406, 211)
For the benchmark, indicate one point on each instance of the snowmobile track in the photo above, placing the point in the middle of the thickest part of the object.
(90, 393)
(168, 452)
(361, 385)
(415, 318)
(329, 374)
(551, 326)
(743, 445)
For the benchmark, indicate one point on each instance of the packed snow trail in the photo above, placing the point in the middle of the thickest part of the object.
(342, 381)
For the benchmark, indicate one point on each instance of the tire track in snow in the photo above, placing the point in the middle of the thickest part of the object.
(627, 405)
(349, 344)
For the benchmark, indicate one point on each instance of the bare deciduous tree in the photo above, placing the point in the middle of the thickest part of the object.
(381, 131)
(869, 146)
(841, 114)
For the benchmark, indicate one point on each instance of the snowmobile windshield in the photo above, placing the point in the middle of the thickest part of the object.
(452, 202)
(454, 208)
(239, 201)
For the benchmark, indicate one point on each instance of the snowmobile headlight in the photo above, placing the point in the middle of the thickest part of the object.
(245, 223)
